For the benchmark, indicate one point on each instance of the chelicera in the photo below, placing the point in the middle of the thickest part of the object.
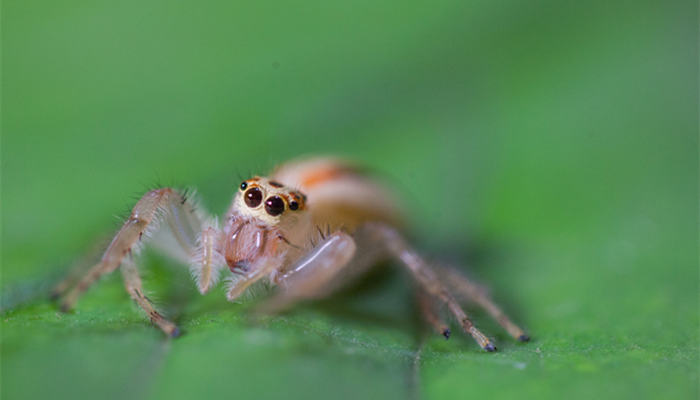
(271, 232)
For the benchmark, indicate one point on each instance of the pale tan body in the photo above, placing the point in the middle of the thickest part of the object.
(307, 228)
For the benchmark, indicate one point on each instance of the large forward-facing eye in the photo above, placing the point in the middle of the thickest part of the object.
(253, 197)
(274, 205)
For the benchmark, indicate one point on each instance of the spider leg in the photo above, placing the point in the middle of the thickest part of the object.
(427, 278)
(77, 270)
(472, 291)
(427, 308)
(207, 260)
(313, 276)
(259, 270)
(145, 217)
(132, 282)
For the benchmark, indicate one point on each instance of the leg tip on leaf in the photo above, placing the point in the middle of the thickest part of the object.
(175, 333)
(490, 347)
(524, 338)
(446, 333)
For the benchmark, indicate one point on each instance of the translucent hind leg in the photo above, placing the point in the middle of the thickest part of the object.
(429, 312)
(426, 276)
(461, 285)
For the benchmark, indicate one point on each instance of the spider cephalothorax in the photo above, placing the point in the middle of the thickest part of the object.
(265, 218)
(305, 247)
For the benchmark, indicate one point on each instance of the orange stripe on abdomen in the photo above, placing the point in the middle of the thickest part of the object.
(320, 176)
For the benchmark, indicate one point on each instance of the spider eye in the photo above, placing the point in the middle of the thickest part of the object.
(244, 185)
(293, 205)
(253, 197)
(274, 205)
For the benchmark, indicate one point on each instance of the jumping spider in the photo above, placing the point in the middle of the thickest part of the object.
(271, 232)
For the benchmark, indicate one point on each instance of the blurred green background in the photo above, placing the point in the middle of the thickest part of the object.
(549, 146)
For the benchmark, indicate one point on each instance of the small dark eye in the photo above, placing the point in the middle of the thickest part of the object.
(293, 205)
(274, 205)
(244, 185)
(253, 197)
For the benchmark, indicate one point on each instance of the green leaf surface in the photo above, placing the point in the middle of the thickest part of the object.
(549, 147)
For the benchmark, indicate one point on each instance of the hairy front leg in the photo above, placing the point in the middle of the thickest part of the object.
(77, 270)
(132, 282)
(144, 219)
(207, 262)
